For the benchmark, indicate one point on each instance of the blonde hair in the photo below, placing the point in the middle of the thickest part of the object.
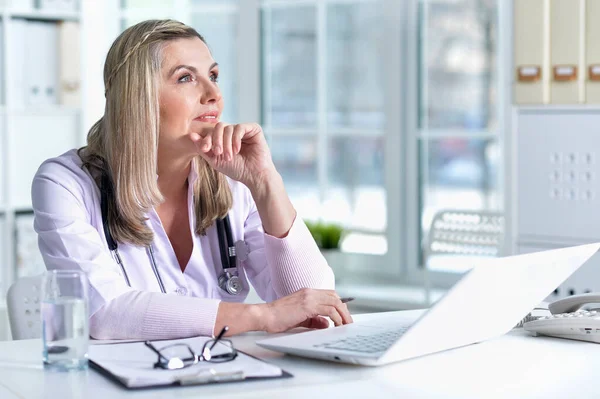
(123, 144)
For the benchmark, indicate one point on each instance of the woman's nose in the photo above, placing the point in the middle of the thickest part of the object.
(211, 93)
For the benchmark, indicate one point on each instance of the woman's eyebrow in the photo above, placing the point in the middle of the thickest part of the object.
(178, 67)
(191, 68)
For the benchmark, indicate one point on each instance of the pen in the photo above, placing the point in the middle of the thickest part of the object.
(347, 299)
(223, 331)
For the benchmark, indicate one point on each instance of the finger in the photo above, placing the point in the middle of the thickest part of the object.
(345, 313)
(206, 143)
(238, 135)
(227, 138)
(335, 301)
(217, 138)
(332, 313)
(318, 322)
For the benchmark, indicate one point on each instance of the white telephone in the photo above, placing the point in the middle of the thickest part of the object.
(575, 317)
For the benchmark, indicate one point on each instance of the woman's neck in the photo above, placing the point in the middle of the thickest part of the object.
(172, 177)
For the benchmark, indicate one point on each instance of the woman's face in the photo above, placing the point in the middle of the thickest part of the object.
(189, 96)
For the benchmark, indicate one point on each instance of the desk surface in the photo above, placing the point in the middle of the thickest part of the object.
(513, 366)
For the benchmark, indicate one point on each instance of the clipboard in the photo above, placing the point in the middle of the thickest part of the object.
(130, 365)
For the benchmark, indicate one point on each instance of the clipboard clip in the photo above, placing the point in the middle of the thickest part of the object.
(211, 375)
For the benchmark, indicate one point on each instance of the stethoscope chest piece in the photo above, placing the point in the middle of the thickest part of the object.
(230, 283)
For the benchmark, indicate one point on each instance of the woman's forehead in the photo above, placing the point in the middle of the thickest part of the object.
(188, 51)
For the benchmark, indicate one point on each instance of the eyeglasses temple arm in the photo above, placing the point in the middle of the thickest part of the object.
(149, 345)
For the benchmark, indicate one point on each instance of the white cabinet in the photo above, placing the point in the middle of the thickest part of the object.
(555, 175)
(558, 175)
(3, 244)
(36, 61)
(35, 138)
(2, 163)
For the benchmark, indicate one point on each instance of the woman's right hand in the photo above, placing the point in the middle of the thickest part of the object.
(307, 307)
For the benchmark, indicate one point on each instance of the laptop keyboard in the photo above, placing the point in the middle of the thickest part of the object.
(366, 343)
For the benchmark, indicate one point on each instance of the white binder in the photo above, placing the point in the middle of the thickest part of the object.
(592, 49)
(57, 5)
(566, 51)
(531, 52)
(69, 79)
(16, 58)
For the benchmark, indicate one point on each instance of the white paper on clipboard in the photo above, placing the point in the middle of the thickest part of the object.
(133, 365)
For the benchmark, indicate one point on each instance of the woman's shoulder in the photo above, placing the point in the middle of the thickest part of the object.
(65, 169)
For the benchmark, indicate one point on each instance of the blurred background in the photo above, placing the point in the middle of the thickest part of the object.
(383, 117)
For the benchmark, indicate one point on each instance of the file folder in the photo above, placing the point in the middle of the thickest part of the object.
(592, 49)
(531, 52)
(566, 51)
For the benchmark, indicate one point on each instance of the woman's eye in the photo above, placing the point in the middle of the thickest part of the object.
(214, 77)
(185, 78)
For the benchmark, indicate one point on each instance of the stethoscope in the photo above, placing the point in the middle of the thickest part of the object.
(228, 280)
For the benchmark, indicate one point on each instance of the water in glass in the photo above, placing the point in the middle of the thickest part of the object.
(65, 326)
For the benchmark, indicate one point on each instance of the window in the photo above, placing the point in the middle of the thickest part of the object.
(458, 135)
(323, 112)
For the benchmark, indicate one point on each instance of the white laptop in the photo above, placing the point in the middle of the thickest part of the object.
(487, 302)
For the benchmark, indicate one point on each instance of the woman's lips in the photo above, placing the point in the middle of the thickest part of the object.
(207, 118)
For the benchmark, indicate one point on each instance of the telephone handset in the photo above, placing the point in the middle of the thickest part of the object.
(574, 302)
(575, 317)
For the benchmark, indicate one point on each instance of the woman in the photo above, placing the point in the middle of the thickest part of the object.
(166, 169)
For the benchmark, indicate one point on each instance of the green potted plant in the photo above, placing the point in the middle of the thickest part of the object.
(328, 237)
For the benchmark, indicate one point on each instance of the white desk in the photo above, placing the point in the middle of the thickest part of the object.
(513, 366)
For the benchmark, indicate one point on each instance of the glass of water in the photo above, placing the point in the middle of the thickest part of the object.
(65, 325)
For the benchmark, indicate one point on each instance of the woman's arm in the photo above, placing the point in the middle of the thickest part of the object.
(68, 240)
(274, 206)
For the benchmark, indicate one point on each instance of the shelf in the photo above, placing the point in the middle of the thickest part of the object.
(44, 15)
(42, 110)
(557, 107)
(22, 209)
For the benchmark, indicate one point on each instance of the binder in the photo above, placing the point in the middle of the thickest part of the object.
(3, 51)
(32, 74)
(50, 70)
(20, 5)
(531, 52)
(69, 68)
(57, 5)
(131, 365)
(592, 51)
(566, 51)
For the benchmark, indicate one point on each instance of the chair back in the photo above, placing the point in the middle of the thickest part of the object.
(464, 232)
(23, 303)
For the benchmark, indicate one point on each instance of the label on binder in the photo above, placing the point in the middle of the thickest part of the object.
(529, 73)
(594, 72)
(565, 72)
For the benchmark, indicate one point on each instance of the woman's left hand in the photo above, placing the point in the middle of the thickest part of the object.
(239, 151)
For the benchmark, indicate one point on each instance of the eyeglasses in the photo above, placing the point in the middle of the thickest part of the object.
(178, 356)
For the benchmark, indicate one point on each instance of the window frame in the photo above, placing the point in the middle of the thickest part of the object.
(416, 272)
(354, 262)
